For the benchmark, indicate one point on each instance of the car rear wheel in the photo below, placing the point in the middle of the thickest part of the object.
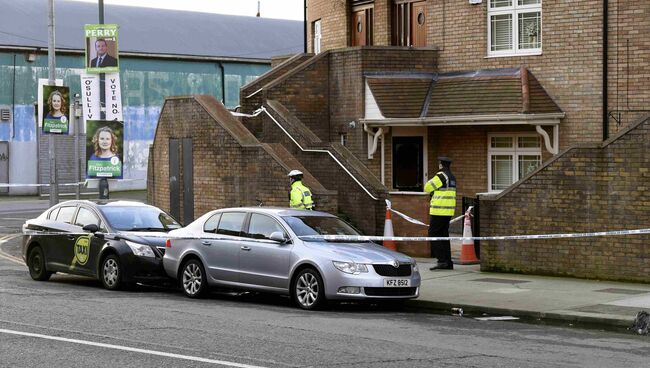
(36, 265)
(111, 273)
(193, 280)
(308, 290)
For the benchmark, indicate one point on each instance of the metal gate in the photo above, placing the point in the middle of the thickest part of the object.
(181, 179)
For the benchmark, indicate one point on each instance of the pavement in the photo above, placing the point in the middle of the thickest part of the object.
(541, 299)
(530, 298)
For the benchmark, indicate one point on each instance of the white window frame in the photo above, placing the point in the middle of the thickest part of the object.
(513, 10)
(514, 151)
(317, 36)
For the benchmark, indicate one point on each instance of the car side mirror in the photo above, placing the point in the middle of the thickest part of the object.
(278, 236)
(91, 228)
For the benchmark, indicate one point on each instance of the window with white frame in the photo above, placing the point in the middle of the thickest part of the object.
(514, 27)
(317, 37)
(511, 157)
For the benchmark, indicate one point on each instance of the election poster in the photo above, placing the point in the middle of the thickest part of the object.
(104, 149)
(113, 97)
(101, 48)
(90, 98)
(56, 115)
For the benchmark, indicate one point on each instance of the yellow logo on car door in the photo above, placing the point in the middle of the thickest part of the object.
(81, 250)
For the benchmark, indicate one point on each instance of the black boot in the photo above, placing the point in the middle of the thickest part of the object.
(442, 266)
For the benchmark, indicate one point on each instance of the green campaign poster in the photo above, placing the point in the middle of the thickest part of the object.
(104, 149)
(56, 117)
(101, 48)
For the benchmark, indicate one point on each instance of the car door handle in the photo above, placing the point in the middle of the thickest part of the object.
(243, 247)
(205, 242)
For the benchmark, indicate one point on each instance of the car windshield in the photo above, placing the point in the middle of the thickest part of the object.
(319, 225)
(134, 218)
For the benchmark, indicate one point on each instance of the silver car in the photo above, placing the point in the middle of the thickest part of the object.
(269, 250)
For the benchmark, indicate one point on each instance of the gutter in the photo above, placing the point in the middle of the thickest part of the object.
(145, 55)
(501, 119)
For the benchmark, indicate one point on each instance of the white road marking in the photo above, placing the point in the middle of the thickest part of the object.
(126, 348)
(6, 256)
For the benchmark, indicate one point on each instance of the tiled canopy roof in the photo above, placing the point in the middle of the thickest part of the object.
(481, 92)
(399, 97)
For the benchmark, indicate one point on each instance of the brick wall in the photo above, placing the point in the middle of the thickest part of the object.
(589, 188)
(347, 88)
(231, 168)
(570, 67)
(305, 92)
(629, 62)
(354, 203)
(334, 17)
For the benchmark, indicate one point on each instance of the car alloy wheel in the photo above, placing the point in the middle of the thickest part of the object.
(308, 290)
(193, 280)
(111, 273)
(36, 264)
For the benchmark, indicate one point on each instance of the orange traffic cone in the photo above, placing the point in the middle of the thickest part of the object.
(388, 231)
(467, 252)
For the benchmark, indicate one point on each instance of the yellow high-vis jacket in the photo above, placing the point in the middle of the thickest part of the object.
(300, 196)
(443, 200)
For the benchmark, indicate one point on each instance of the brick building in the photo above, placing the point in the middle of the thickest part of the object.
(500, 86)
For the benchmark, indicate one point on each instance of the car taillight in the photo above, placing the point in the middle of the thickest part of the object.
(168, 243)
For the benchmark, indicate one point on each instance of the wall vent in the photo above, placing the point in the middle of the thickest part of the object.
(5, 114)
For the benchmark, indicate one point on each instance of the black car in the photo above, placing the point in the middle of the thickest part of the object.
(119, 243)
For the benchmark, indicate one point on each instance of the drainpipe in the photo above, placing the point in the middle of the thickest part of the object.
(305, 23)
(605, 42)
(223, 83)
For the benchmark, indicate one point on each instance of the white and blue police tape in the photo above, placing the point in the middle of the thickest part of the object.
(418, 222)
(357, 238)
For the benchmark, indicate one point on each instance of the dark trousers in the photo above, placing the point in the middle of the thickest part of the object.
(439, 227)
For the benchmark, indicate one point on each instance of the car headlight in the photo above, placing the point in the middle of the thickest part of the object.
(141, 250)
(350, 267)
(415, 266)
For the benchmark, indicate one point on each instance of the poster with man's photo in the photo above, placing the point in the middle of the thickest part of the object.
(104, 149)
(101, 48)
(55, 104)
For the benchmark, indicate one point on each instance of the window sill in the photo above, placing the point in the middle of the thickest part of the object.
(408, 193)
(537, 53)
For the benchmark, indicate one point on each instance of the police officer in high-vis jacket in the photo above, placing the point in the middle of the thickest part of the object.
(299, 195)
(442, 188)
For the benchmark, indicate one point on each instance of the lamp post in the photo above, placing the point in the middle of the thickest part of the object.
(103, 182)
(51, 63)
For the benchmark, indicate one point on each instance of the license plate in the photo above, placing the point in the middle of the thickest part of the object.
(397, 282)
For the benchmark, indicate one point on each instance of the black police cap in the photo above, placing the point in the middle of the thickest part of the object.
(444, 159)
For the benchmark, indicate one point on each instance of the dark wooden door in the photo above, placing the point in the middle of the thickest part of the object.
(418, 24)
(359, 28)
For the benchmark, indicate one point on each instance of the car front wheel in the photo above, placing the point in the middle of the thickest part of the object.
(308, 290)
(36, 265)
(193, 280)
(111, 272)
